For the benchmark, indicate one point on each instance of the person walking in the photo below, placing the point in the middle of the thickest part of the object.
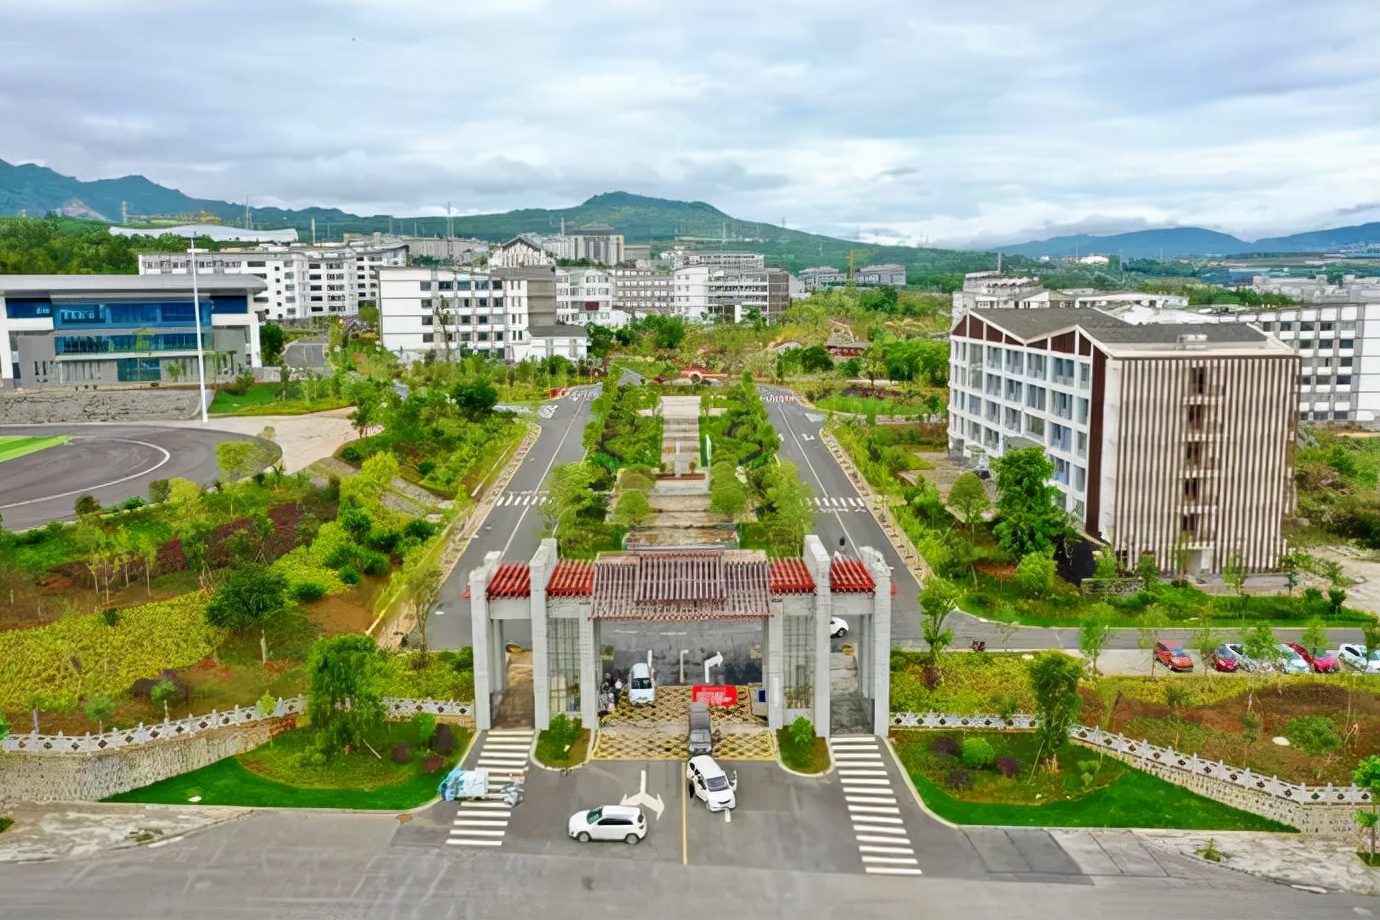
(617, 690)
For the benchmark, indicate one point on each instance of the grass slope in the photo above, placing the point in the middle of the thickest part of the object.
(1135, 799)
(13, 447)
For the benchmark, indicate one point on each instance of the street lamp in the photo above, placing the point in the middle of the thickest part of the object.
(193, 252)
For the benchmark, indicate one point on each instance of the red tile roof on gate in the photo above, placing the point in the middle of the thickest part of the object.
(680, 586)
(849, 576)
(790, 576)
(513, 579)
(571, 578)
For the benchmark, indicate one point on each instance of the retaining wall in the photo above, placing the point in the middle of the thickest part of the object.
(66, 404)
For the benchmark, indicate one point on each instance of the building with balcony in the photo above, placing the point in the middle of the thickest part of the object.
(1173, 440)
(105, 329)
(888, 275)
(822, 277)
(640, 291)
(585, 295)
(681, 258)
(595, 243)
(701, 293)
(519, 252)
(508, 314)
(299, 281)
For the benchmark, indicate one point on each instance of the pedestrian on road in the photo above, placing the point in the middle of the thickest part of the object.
(617, 690)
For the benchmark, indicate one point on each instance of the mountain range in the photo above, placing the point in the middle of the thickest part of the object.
(36, 190)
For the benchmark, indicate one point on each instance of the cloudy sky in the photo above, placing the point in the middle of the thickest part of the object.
(955, 122)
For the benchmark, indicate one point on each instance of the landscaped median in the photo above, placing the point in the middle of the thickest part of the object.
(14, 447)
(993, 777)
(402, 771)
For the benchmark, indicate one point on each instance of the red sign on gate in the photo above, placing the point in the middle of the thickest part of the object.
(714, 695)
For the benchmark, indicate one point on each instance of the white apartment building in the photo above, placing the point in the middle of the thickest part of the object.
(301, 281)
(681, 258)
(506, 313)
(822, 277)
(1318, 290)
(992, 290)
(1104, 300)
(701, 293)
(585, 295)
(639, 291)
(595, 243)
(464, 250)
(888, 275)
(1165, 439)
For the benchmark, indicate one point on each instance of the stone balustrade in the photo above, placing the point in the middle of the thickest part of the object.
(115, 739)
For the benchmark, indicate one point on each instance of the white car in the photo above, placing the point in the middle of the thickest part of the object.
(710, 784)
(641, 690)
(1355, 656)
(611, 822)
(1290, 661)
(838, 627)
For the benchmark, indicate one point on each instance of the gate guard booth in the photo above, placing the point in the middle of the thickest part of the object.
(574, 608)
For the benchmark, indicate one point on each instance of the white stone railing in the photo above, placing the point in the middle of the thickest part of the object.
(1147, 753)
(33, 743)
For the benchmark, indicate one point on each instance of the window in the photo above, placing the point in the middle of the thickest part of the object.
(1035, 397)
(1061, 470)
(1035, 367)
(1191, 490)
(1061, 438)
(1063, 405)
(1347, 343)
(1063, 370)
(445, 286)
(1188, 525)
(1196, 417)
(1082, 444)
(1084, 376)
(1035, 425)
(1080, 478)
(427, 320)
(428, 337)
(1193, 453)
(1344, 380)
(1197, 381)
(1082, 411)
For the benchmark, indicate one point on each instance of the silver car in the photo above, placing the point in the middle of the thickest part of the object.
(1359, 658)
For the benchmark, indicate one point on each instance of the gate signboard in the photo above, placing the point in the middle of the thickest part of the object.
(714, 694)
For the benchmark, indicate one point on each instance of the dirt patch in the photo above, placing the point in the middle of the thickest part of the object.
(348, 612)
(25, 605)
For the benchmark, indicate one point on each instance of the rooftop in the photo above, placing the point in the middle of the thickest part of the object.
(1040, 323)
(57, 285)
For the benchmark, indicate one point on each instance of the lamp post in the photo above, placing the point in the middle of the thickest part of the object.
(193, 252)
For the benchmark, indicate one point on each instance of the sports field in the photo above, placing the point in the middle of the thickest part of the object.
(11, 447)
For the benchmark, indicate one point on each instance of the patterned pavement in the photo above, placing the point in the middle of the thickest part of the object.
(657, 731)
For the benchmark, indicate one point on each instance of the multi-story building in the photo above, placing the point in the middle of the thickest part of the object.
(992, 290)
(503, 313)
(596, 243)
(300, 281)
(444, 249)
(519, 252)
(1105, 300)
(1317, 289)
(888, 275)
(585, 295)
(822, 277)
(103, 329)
(701, 293)
(681, 258)
(1173, 440)
(639, 291)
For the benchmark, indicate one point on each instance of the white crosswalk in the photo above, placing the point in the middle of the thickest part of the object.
(520, 499)
(483, 822)
(826, 503)
(878, 827)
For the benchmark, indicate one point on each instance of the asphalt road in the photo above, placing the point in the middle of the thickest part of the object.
(800, 444)
(513, 527)
(111, 462)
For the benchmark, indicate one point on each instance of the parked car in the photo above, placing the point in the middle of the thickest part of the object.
(1243, 661)
(1290, 661)
(641, 690)
(1356, 657)
(610, 822)
(710, 784)
(1319, 659)
(838, 627)
(1173, 656)
(1221, 660)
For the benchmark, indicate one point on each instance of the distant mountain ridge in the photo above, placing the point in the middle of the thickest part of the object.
(38, 190)
(1183, 242)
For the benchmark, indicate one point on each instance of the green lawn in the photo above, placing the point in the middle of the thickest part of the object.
(272, 776)
(262, 399)
(12, 447)
(870, 405)
(1117, 796)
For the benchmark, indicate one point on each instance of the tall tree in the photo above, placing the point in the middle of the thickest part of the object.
(1093, 632)
(788, 517)
(1367, 776)
(1054, 679)
(344, 699)
(937, 600)
(1032, 519)
(271, 340)
(968, 496)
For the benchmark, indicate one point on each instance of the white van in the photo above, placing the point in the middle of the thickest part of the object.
(641, 690)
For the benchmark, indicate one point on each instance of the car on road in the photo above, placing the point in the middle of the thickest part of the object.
(1173, 656)
(710, 784)
(838, 627)
(1319, 659)
(1290, 661)
(641, 690)
(1221, 660)
(1358, 658)
(608, 822)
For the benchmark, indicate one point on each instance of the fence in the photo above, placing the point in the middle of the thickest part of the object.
(115, 739)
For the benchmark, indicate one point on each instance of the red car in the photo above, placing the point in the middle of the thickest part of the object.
(1319, 659)
(1221, 661)
(1173, 656)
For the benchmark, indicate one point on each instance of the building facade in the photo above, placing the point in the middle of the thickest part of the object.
(104, 329)
(823, 277)
(585, 295)
(519, 253)
(504, 313)
(1173, 440)
(681, 258)
(888, 275)
(462, 251)
(593, 243)
(701, 293)
(300, 282)
(641, 291)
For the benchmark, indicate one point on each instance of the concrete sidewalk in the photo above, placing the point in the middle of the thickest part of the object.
(304, 439)
(1292, 859)
(81, 829)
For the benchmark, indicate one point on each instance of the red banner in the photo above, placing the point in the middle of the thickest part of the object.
(714, 695)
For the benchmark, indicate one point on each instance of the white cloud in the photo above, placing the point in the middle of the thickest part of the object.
(936, 121)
